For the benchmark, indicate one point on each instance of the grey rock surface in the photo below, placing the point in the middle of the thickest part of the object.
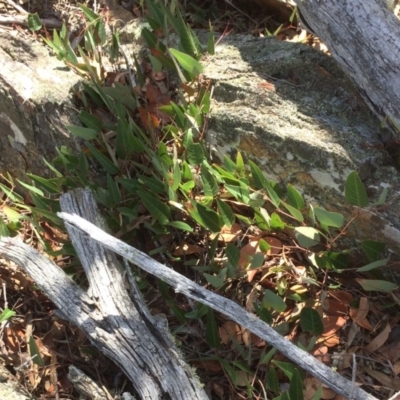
(35, 106)
(291, 109)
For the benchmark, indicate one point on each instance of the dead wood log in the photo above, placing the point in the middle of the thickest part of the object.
(116, 320)
(363, 38)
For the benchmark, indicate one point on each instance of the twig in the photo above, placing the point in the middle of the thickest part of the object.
(17, 7)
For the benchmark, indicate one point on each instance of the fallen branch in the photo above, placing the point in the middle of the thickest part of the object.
(23, 20)
(227, 307)
(116, 320)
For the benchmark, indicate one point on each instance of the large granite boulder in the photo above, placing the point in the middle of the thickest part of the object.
(35, 105)
(291, 109)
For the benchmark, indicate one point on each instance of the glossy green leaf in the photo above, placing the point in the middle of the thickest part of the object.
(31, 188)
(307, 236)
(311, 321)
(272, 300)
(7, 314)
(263, 245)
(355, 191)
(276, 222)
(188, 63)
(295, 199)
(34, 22)
(328, 218)
(241, 192)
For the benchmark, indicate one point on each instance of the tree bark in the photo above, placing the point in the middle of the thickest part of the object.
(363, 37)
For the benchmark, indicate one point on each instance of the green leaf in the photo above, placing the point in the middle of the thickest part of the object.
(261, 183)
(188, 63)
(113, 191)
(195, 151)
(82, 132)
(209, 218)
(50, 185)
(90, 121)
(318, 394)
(296, 386)
(373, 265)
(272, 380)
(183, 226)
(210, 186)
(293, 211)
(311, 321)
(216, 281)
(158, 210)
(105, 162)
(355, 191)
(276, 222)
(226, 213)
(34, 353)
(34, 22)
(233, 254)
(90, 15)
(4, 232)
(6, 314)
(329, 218)
(211, 41)
(295, 199)
(376, 285)
(239, 163)
(257, 261)
(263, 245)
(31, 188)
(287, 368)
(272, 300)
(212, 334)
(307, 236)
(241, 192)
(372, 249)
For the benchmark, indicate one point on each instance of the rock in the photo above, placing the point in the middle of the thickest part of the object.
(291, 109)
(35, 106)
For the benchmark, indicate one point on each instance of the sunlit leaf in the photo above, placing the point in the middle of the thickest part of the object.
(6, 314)
(329, 218)
(376, 285)
(307, 236)
(295, 199)
(355, 191)
(272, 300)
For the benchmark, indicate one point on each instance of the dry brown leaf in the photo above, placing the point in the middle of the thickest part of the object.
(322, 355)
(228, 234)
(186, 249)
(327, 393)
(335, 307)
(379, 340)
(252, 298)
(332, 324)
(385, 380)
(246, 252)
(354, 329)
(230, 330)
(276, 245)
(311, 386)
(359, 314)
(208, 365)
